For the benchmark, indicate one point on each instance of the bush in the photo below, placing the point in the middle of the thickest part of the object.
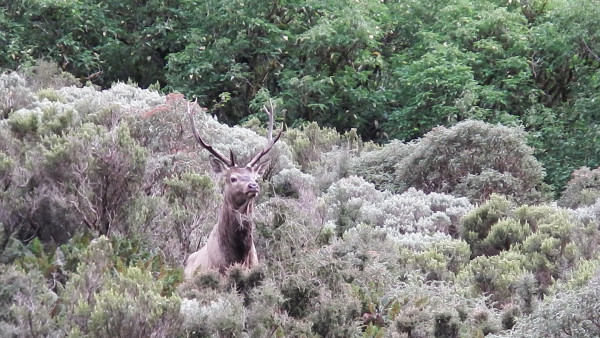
(497, 276)
(88, 288)
(476, 226)
(352, 200)
(344, 200)
(437, 256)
(504, 234)
(378, 166)
(26, 304)
(425, 309)
(105, 299)
(14, 94)
(310, 142)
(549, 250)
(583, 189)
(587, 233)
(215, 314)
(568, 314)
(473, 159)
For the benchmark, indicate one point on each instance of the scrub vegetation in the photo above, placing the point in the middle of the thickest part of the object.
(437, 176)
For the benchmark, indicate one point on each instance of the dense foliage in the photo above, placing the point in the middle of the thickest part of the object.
(478, 214)
(103, 194)
(390, 69)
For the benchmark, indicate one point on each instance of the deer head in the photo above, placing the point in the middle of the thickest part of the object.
(240, 182)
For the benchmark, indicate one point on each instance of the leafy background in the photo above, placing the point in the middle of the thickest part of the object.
(436, 178)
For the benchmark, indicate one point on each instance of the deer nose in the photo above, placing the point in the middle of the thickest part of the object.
(252, 186)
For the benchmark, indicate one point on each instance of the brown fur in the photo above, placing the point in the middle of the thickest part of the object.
(231, 239)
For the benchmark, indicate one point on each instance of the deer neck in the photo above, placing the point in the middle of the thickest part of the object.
(236, 230)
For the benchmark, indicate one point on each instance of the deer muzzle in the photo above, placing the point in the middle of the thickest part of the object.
(253, 189)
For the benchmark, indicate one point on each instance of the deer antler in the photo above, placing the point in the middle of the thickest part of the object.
(230, 162)
(270, 141)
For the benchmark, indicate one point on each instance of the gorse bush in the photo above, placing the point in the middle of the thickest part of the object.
(571, 313)
(102, 303)
(472, 159)
(104, 193)
(582, 190)
(103, 295)
(477, 225)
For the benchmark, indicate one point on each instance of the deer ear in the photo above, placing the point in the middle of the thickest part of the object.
(217, 165)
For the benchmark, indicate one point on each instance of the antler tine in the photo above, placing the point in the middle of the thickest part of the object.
(270, 141)
(229, 163)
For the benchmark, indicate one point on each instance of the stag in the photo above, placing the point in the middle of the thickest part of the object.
(231, 240)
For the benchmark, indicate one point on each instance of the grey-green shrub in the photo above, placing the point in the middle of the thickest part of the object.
(26, 304)
(14, 94)
(104, 300)
(352, 200)
(421, 306)
(571, 313)
(378, 166)
(220, 314)
(472, 159)
(309, 142)
(583, 189)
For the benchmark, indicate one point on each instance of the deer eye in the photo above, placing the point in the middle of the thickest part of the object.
(233, 180)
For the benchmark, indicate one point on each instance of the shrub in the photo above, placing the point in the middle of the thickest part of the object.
(336, 315)
(344, 200)
(50, 95)
(437, 256)
(378, 166)
(97, 173)
(549, 250)
(415, 211)
(504, 234)
(568, 314)
(26, 304)
(15, 94)
(587, 234)
(582, 190)
(131, 305)
(497, 276)
(106, 299)
(438, 309)
(352, 200)
(309, 142)
(476, 225)
(293, 182)
(264, 316)
(48, 75)
(220, 314)
(474, 158)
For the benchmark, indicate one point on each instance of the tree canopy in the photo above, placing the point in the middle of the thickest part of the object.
(390, 69)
